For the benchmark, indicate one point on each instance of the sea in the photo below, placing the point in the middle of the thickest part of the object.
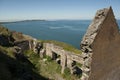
(68, 31)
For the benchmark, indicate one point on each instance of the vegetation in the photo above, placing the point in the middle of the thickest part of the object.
(28, 65)
(12, 68)
(79, 65)
(17, 35)
(49, 68)
(65, 46)
(4, 31)
(12, 34)
(67, 73)
(68, 76)
(33, 64)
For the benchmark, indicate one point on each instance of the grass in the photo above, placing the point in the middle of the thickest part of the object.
(79, 65)
(65, 46)
(49, 59)
(2, 49)
(8, 50)
(16, 35)
(33, 57)
(68, 76)
(13, 69)
(51, 69)
(19, 36)
(48, 68)
(4, 31)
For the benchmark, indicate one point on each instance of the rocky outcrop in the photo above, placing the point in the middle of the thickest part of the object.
(28, 44)
(6, 38)
(13, 38)
(100, 48)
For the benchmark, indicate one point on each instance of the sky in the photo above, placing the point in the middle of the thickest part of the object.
(54, 9)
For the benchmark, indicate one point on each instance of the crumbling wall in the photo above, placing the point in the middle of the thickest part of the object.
(100, 48)
(26, 44)
(67, 58)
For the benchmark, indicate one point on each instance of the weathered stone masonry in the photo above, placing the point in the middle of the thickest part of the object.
(66, 58)
(101, 48)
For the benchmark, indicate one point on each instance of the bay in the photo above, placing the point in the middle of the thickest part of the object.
(68, 31)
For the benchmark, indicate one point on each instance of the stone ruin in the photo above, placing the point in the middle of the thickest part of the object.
(101, 48)
(27, 44)
(67, 59)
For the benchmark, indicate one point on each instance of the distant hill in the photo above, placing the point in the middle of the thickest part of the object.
(20, 21)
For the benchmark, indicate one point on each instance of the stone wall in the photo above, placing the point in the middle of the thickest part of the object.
(26, 44)
(100, 48)
(67, 58)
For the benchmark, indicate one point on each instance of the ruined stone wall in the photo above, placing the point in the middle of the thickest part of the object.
(101, 49)
(27, 44)
(67, 58)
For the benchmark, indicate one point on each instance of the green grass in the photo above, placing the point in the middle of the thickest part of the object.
(65, 46)
(79, 65)
(16, 35)
(2, 49)
(51, 69)
(14, 69)
(8, 50)
(49, 59)
(68, 76)
(4, 31)
(48, 68)
(11, 68)
(33, 57)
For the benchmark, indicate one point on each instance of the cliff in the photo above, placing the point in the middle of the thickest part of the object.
(100, 46)
(25, 58)
(28, 52)
(12, 38)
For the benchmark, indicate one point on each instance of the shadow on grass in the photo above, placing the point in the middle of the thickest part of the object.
(15, 69)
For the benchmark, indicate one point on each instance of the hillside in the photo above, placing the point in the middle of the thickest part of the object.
(14, 68)
(20, 62)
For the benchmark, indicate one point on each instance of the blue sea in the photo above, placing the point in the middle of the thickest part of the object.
(68, 31)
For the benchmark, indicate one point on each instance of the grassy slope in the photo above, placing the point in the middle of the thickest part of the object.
(38, 67)
(4, 31)
(65, 46)
(16, 35)
(12, 68)
(49, 68)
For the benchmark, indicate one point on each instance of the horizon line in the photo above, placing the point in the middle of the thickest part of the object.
(11, 20)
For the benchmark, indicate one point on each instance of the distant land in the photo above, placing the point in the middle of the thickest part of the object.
(21, 21)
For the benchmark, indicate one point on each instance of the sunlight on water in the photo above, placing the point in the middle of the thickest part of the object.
(69, 31)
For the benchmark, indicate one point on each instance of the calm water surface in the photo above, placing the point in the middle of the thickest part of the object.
(69, 31)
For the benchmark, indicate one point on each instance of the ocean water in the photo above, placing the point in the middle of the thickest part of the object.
(68, 31)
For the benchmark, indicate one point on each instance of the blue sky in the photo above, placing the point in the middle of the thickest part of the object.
(54, 9)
